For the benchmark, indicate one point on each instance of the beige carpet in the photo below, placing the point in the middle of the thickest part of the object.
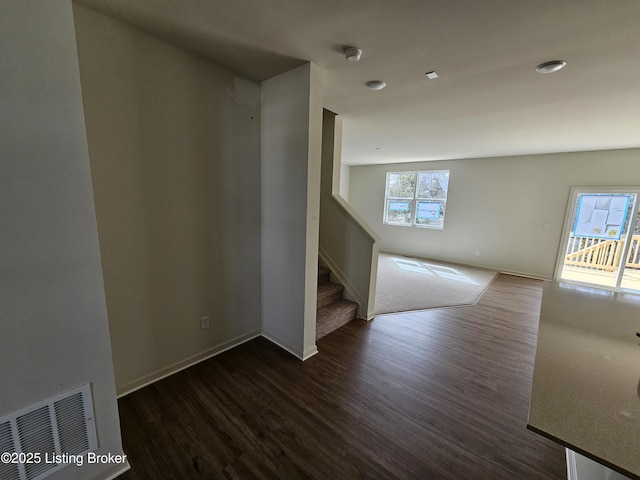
(406, 283)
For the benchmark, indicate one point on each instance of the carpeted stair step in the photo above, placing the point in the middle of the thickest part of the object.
(329, 292)
(323, 274)
(334, 315)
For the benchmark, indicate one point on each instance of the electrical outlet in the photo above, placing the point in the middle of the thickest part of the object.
(204, 322)
(477, 253)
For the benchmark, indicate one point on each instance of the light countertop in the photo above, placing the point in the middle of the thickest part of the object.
(586, 381)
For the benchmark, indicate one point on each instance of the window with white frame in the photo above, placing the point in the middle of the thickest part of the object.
(416, 199)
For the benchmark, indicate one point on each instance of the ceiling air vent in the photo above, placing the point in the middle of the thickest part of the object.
(46, 437)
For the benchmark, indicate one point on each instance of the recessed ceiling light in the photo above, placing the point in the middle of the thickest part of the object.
(352, 54)
(431, 75)
(376, 84)
(550, 67)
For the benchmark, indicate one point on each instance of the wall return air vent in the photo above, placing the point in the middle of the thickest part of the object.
(47, 436)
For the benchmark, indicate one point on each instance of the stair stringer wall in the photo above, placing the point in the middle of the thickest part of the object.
(347, 244)
(350, 290)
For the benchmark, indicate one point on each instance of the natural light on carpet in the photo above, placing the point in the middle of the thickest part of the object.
(429, 269)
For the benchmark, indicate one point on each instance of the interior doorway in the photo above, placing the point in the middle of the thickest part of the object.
(601, 239)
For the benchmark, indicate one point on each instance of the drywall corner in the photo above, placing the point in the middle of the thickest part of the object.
(291, 136)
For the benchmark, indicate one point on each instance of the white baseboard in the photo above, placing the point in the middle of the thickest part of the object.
(310, 353)
(134, 385)
(524, 275)
(158, 375)
(293, 351)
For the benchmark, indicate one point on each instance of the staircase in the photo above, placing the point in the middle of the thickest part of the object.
(333, 310)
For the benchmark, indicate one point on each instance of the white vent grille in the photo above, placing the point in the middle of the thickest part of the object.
(45, 435)
(8, 471)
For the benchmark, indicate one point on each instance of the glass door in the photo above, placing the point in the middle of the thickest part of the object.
(631, 267)
(601, 236)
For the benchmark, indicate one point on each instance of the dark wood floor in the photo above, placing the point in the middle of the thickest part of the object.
(439, 394)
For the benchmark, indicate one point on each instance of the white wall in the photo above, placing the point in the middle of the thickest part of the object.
(291, 147)
(496, 206)
(345, 181)
(53, 329)
(174, 143)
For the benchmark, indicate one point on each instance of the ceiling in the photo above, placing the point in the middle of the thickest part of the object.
(488, 99)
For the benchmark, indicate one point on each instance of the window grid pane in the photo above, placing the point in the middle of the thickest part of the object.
(416, 198)
(430, 213)
(399, 212)
(401, 185)
(433, 185)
